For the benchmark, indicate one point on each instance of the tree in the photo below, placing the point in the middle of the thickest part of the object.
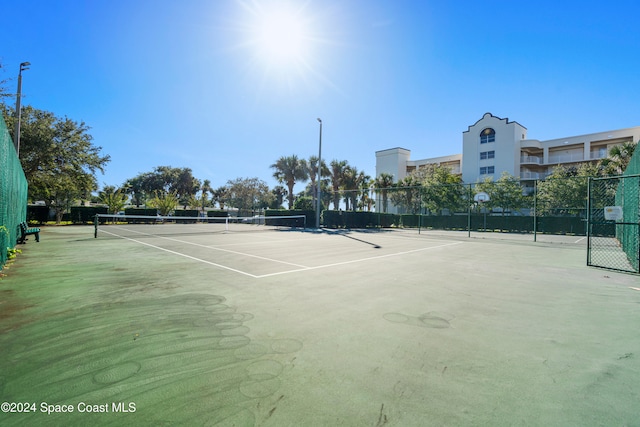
(406, 194)
(289, 170)
(135, 187)
(619, 158)
(248, 194)
(350, 187)
(312, 172)
(220, 195)
(383, 182)
(336, 173)
(205, 189)
(564, 192)
(356, 186)
(441, 189)
(505, 193)
(304, 203)
(165, 203)
(3, 90)
(164, 179)
(364, 183)
(279, 193)
(58, 157)
(114, 198)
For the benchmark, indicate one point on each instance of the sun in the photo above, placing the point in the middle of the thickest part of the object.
(284, 44)
(280, 33)
(281, 36)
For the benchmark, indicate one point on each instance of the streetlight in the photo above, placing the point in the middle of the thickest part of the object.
(319, 176)
(16, 134)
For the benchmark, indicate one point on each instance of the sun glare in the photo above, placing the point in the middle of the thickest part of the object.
(280, 33)
(285, 42)
(281, 36)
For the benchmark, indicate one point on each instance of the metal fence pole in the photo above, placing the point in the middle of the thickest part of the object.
(535, 210)
(588, 233)
(469, 213)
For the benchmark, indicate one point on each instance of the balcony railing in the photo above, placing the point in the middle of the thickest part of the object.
(566, 158)
(596, 155)
(533, 175)
(531, 159)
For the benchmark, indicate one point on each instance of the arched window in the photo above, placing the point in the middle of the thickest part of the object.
(487, 135)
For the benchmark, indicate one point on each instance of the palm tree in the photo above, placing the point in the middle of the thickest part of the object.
(312, 170)
(383, 182)
(220, 195)
(619, 157)
(114, 198)
(349, 185)
(289, 170)
(364, 186)
(205, 189)
(279, 193)
(336, 173)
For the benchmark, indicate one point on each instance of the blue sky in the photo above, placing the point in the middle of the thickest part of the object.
(193, 83)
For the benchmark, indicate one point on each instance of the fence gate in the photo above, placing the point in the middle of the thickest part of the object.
(613, 223)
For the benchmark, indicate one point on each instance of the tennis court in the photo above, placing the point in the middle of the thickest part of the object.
(290, 327)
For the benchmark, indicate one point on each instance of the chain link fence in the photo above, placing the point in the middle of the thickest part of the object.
(540, 208)
(614, 223)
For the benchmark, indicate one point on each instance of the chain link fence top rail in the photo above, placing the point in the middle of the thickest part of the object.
(13, 193)
(555, 207)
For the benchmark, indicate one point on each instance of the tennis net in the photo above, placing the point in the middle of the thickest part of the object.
(141, 225)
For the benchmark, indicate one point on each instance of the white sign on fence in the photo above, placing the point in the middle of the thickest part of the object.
(613, 213)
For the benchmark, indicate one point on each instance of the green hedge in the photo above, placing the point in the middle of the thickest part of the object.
(310, 215)
(39, 214)
(507, 223)
(217, 214)
(186, 213)
(85, 214)
(141, 211)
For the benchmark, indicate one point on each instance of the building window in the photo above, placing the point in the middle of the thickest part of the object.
(487, 135)
(484, 155)
(487, 170)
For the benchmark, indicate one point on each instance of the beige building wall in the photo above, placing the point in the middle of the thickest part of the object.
(509, 150)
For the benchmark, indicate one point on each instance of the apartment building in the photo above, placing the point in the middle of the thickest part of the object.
(494, 145)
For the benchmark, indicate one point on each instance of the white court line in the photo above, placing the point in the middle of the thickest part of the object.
(579, 240)
(183, 255)
(281, 272)
(216, 248)
(357, 260)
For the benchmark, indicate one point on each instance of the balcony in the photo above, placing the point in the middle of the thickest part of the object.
(597, 155)
(531, 159)
(532, 175)
(566, 158)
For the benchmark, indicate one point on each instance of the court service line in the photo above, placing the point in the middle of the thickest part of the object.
(184, 255)
(219, 249)
(356, 260)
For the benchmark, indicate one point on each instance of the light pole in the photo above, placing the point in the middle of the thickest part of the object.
(319, 177)
(16, 134)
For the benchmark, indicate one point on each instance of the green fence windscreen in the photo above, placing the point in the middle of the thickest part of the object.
(628, 197)
(13, 193)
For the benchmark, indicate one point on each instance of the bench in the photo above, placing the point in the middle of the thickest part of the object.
(25, 231)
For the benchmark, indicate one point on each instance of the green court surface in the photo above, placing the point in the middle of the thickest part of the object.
(292, 328)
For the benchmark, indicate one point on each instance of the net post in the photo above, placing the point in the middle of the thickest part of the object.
(95, 226)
